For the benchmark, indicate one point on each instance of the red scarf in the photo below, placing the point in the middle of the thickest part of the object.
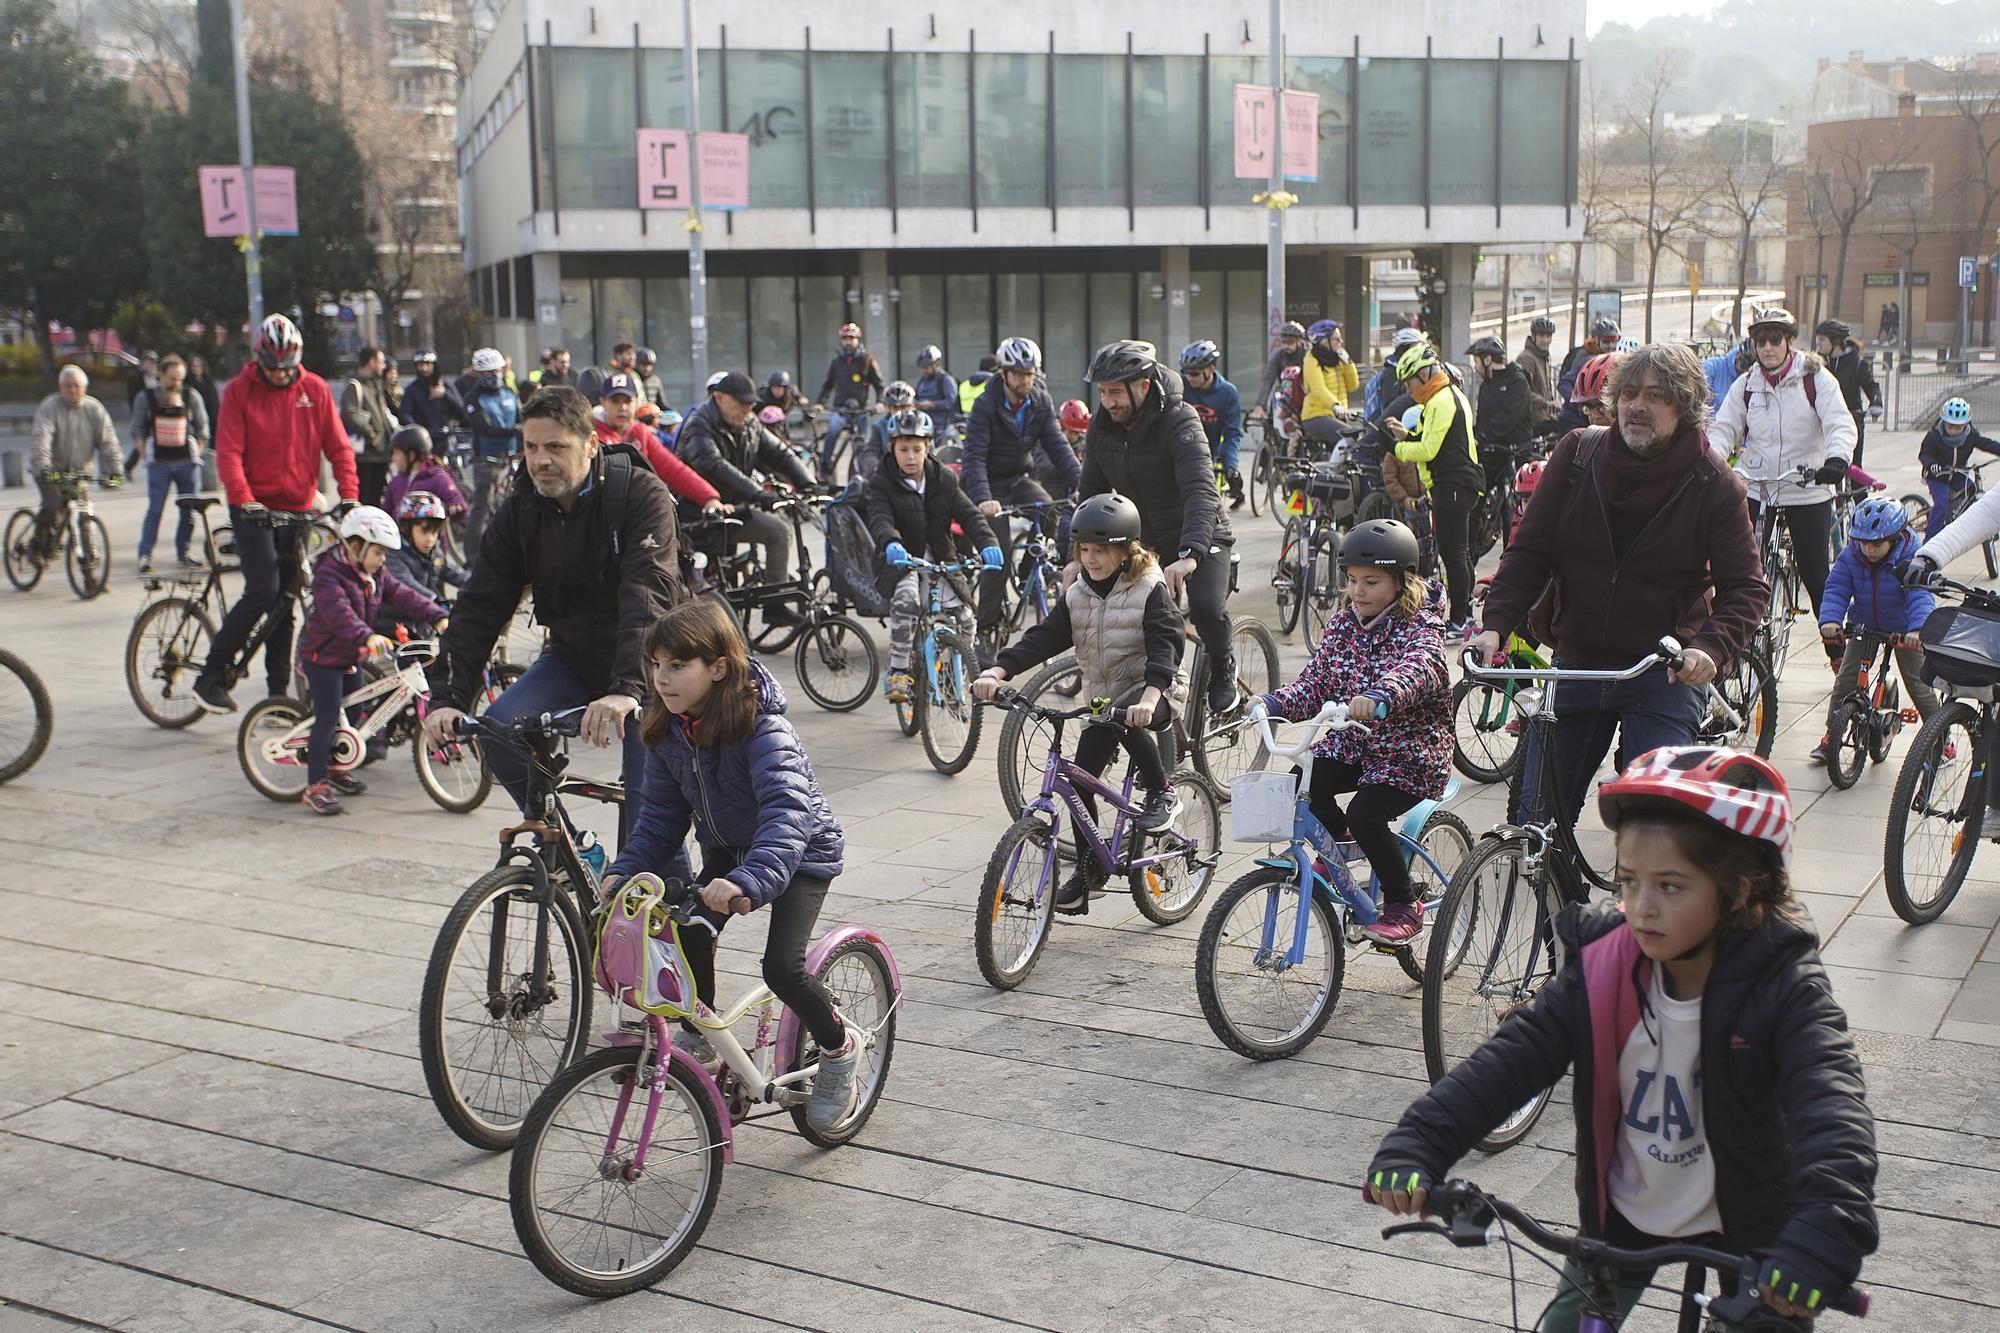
(1772, 377)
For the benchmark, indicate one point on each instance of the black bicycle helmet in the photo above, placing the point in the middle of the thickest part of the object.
(911, 422)
(1291, 328)
(1200, 355)
(1488, 346)
(1122, 361)
(778, 379)
(1541, 324)
(1382, 542)
(412, 440)
(1604, 327)
(1835, 329)
(1107, 520)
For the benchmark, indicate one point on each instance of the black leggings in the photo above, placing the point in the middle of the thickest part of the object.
(1451, 517)
(1094, 747)
(1366, 820)
(793, 915)
(270, 570)
(1811, 526)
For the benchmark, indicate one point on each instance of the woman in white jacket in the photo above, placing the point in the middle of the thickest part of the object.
(1783, 414)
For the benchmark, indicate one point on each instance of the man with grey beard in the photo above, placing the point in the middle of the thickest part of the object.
(592, 533)
(1643, 533)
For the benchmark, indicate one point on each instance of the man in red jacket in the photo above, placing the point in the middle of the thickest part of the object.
(619, 425)
(277, 421)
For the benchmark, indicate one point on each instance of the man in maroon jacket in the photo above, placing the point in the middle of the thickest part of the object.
(1637, 532)
(277, 421)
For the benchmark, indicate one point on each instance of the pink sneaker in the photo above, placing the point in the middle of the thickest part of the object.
(1398, 924)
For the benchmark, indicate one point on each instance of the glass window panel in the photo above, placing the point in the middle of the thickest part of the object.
(1110, 309)
(666, 90)
(969, 297)
(618, 313)
(1065, 340)
(545, 158)
(1390, 160)
(774, 326)
(1461, 137)
(850, 130)
(503, 278)
(822, 308)
(920, 319)
(1328, 76)
(595, 120)
(1012, 93)
(1249, 343)
(933, 131)
(1017, 314)
(578, 318)
(667, 335)
(1166, 113)
(1532, 108)
(1153, 316)
(1090, 131)
(767, 101)
(524, 287)
(728, 324)
(1205, 316)
(1224, 73)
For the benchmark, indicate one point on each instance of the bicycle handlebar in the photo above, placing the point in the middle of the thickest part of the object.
(1332, 716)
(964, 566)
(1097, 712)
(1467, 1217)
(681, 898)
(568, 723)
(1668, 652)
(1802, 475)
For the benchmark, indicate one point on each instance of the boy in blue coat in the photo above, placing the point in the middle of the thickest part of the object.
(1865, 589)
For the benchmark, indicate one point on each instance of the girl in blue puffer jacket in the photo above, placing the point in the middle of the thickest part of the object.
(721, 759)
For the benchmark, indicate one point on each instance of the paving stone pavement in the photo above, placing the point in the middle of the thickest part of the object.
(212, 1115)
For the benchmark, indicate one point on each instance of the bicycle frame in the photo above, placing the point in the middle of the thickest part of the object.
(397, 692)
(930, 604)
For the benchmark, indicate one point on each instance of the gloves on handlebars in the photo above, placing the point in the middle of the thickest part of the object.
(1936, 473)
(1918, 571)
(1797, 1278)
(896, 554)
(990, 557)
(53, 476)
(1831, 473)
(113, 482)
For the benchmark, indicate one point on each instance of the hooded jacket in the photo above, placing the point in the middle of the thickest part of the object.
(755, 798)
(849, 377)
(269, 440)
(1939, 450)
(1505, 421)
(422, 573)
(346, 603)
(1770, 430)
(1872, 595)
(1535, 364)
(1001, 441)
(1160, 460)
(417, 408)
(429, 475)
(726, 455)
(920, 520)
(1783, 1102)
(1854, 373)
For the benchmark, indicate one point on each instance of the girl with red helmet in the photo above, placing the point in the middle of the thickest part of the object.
(1717, 1092)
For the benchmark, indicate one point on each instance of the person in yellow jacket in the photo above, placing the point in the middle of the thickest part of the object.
(1329, 377)
(1447, 458)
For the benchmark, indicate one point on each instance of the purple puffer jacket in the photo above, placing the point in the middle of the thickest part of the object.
(1399, 662)
(344, 604)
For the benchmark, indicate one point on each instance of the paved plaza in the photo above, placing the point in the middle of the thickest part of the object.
(212, 1114)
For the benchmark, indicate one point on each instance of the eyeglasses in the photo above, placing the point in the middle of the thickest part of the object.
(1768, 339)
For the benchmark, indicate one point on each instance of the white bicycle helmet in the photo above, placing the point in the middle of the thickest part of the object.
(1626, 345)
(1405, 338)
(279, 346)
(372, 525)
(1018, 354)
(487, 361)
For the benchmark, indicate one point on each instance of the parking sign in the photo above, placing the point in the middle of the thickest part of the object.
(1968, 270)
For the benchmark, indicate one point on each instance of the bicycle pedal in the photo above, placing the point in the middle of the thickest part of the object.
(1908, 717)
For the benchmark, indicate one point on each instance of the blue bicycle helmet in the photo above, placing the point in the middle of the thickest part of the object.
(1323, 329)
(1877, 518)
(1957, 412)
(1413, 417)
(1200, 355)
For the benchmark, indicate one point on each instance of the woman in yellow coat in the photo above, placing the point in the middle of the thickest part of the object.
(1329, 377)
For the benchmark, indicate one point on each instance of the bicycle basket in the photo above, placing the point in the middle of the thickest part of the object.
(850, 554)
(1261, 805)
(636, 958)
(1961, 646)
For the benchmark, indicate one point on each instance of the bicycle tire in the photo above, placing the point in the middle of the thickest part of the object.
(1882, 735)
(1219, 757)
(464, 754)
(1751, 689)
(1495, 752)
(1917, 782)
(87, 558)
(535, 1149)
(1485, 527)
(1159, 899)
(871, 1074)
(1020, 754)
(827, 653)
(953, 668)
(497, 1130)
(1452, 951)
(1374, 505)
(1274, 490)
(1320, 597)
(18, 759)
(24, 570)
(997, 890)
(1847, 747)
(1991, 550)
(1209, 958)
(172, 652)
(1253, 489)
(1917, 508)
(1429, 891)
(1286, 581)
(280, 716)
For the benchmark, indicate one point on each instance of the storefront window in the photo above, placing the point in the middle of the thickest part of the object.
(970, 301)
(933, 131)
(920, 319)
(774, 326)
(1017, 312)
(1249, 337)
(1391, 129)
(1065, 340)
(667, 335)
(1110, 309)
(1205, 317)
(1090, 131)
(1461, 138)
(1224, 73)
(1532, 107)
(1166, 115)
(1012, 96)
(728, 323)
(1327, 76)
(579, 312)
(822, 310)
(618, 315)
(596, 150)
(850, 130)
(767, 101)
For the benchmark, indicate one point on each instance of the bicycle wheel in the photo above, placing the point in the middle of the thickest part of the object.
(455, 774)
(24, 567)
(1917, 508)
(1017, 901)
(1024, 739)
(1935, 814)
(1448, 841)
(946, 713)
(1486, 723)
(1274, 490)
(163, 656)
(1288, 579)
(1223, 753)
(587, 1219)
(1882, 731)
(1751, 691)
(87, 557)
(837, 664)
(1254, 488)
(270, 725)
(858, 974)
(1167, 891)
(1321, 593)
(492, 1029)
(1485, 526)
(1491, 951)
(1847, 747)
(906, 717)
(1991, 550)
(26, 717)
(1256, 1004)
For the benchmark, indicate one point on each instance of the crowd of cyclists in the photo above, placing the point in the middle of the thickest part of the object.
(1627, 486)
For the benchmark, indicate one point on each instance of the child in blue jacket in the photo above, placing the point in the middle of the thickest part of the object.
(1865, 590)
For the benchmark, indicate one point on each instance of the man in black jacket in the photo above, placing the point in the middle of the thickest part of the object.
(723, 440)
(1012, 420)
(1856, 373)
(1147, 443)
(593, 534)
(428, 401)
(850, 378)
(1290, 351)
(1505, 420)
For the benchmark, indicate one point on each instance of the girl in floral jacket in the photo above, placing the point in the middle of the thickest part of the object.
(1383, 654)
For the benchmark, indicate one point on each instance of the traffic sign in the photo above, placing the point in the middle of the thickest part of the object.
(1968, 270)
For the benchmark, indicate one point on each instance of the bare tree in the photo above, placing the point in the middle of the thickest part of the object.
(1903, 218)
(1975, 99)
(1745, 180)
(1842, 177)
(1593, 199)
(163, 40)
(1666, 208)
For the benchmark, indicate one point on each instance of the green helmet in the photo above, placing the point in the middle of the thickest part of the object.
(1414, 360)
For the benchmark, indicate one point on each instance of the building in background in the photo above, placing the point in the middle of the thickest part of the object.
(939, 176)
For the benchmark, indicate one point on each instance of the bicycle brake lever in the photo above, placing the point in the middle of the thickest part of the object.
(1406, 1228)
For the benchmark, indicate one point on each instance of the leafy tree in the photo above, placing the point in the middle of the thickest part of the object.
(67, 167)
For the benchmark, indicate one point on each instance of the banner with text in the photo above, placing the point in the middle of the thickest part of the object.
(1255, 124)
(222, 210)
(663, 169)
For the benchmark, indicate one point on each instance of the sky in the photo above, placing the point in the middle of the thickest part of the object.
(1635, 12)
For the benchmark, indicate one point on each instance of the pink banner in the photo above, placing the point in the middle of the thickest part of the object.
(725, 170)
(222, 203)
(1255, 130)
(663, 169)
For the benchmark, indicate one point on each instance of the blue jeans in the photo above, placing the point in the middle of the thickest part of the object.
(1645, 713)
(549, 686)
(1940, 515)
(160, 477)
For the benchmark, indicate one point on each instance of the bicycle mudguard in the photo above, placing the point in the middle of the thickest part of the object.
(1413, 822)
(788, 1022)
(701, 1078)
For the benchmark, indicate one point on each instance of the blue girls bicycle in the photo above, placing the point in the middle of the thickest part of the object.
(941, 704)
(1273, 951)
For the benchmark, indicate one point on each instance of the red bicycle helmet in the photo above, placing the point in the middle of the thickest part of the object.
(850, 330)
(1588, 386)
(1737, 790)
(1075, 415)
(1528, 476)
(279, 345)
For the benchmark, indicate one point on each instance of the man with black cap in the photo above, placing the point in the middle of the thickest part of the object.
(723, 441)
(428, 401)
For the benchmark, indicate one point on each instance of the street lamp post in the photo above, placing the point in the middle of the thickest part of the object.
(1274, 259)
(697, 263)
(253, 259)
